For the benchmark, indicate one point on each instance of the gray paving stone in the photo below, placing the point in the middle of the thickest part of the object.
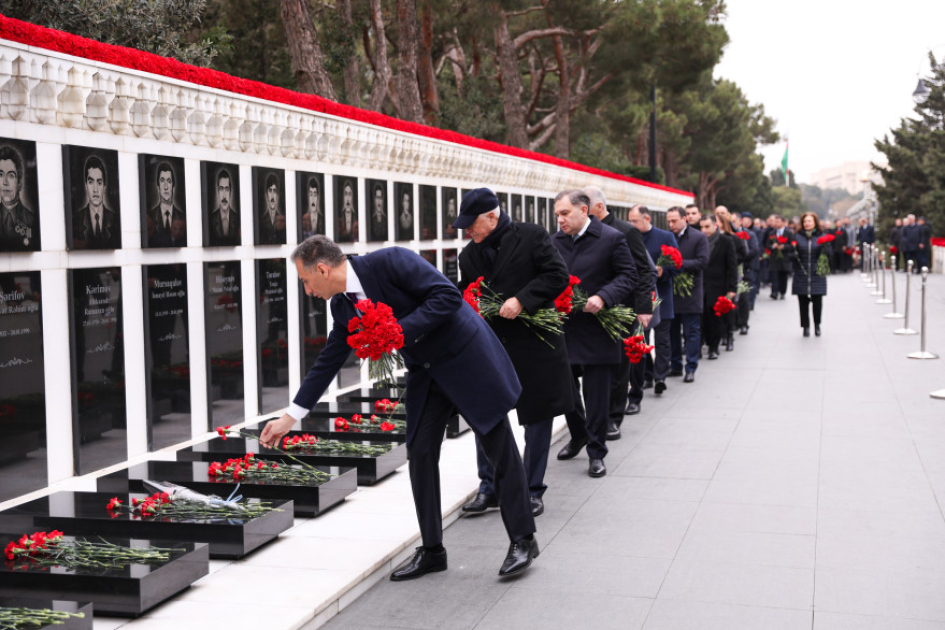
(673, 615)
(564, 608)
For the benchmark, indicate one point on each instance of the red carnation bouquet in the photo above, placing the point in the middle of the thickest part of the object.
(777, 252)
(488, 303)
(635, 347)
(826, 238)
(782, 239)
(376, 336)
(616, 320)
(563, 302)
(669, 256)
(723, 305)
(744, 235)
(823, 263)
(893, 250)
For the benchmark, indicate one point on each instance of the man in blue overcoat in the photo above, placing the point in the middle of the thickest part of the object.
(453, 360)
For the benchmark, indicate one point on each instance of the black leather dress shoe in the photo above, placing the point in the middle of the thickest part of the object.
(781, 297)
(659, 388)
(729, 343)
(571, 449)
(713, 355)
(520, 556)
(538, 506)
(647, 384)
(596, 468)
(744, 330)
(675, 373)
(689, 377)
(420, 564)
(613, 431)
(807, 332)
(632, 408)
(481, 503)
(817, 330)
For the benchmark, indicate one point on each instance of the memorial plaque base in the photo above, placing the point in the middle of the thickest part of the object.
(85, 513)
(455, 426)
(309, 501)
(70, 623)
(371, 469)
(127, 592)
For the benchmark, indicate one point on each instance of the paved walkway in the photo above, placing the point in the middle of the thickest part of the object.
(797, 483)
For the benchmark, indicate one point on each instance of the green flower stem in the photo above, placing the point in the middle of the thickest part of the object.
(336, 446)
(19, 618)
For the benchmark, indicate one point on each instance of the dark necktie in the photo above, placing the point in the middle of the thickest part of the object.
(98, 226)
(167, 220)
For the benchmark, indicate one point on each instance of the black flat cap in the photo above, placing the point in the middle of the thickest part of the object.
(747, 215)
(475, 202)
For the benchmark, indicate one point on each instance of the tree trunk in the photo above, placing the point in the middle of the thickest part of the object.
(352, 72)
(382, 72)
(510, 82)
(426, 77)
(563, 106)
(308, 62)
(407, 85)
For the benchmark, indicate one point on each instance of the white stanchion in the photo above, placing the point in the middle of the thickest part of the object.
(892, 286)
(883, 272)
(905, 330)
(923, 353)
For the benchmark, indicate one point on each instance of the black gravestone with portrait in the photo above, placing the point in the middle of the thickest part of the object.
(167, 361)
(552, 219)
(269, 205)
(220, 201)
(346, 209)
(529, 209)
(98, 368)
(163, 201)
(504, 203)
(450, 212)
(427, 213)
(313, 319)
(310, 202)
(451, 265)
(517, 209)
(428, 255)
(403, 211)
(90, 186)
(223, 304)
(19, 197)
(272, 334)
(375, 192)
(542, 218)
(22, 385)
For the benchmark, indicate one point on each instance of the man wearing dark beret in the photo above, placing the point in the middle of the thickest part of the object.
(518, 262)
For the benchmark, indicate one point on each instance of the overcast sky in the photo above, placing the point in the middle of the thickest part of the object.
(834, 74)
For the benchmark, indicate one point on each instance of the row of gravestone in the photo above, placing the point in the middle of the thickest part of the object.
(351, 452)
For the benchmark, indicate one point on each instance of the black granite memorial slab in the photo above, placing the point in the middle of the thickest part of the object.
(223, 310)
(517, 210)
(126, 592)
(161, 183)
(428, 212)
(308, 500)
(92, 201)
(371, 468)
(542, 213)
(98, 368)
(375, 195)
(451, 265)
(19, 194)
(22, 385)
(313, 320)
(310, 203)
(272, 333)
(86, 514)
(529, 209)
(269, 205)
(455, 426)
(167, 362)
(450, 210)
(57, 605)
(403, 210)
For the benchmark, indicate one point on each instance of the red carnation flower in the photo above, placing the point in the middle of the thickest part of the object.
(722, 306)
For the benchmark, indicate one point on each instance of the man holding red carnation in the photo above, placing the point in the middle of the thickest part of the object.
(452, 357)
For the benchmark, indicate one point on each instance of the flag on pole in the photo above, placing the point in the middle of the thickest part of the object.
(784, 163)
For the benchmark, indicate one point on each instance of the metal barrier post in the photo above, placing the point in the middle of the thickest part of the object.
(883, 272)
(892, 286)
(905, 330)
(865, 262)
(922, 353)
(874, 282)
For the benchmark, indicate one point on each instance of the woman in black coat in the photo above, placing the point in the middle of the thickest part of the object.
(808, 285)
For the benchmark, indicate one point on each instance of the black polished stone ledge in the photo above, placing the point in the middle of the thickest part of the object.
(126, 592)
(371, 469)
(309, 501)
(85, 513)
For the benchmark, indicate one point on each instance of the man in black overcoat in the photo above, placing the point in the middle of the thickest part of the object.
(454, 362)
(686, 329)
(779, 265)
(599, 256)
(518, 263)
(720, 278)
(623, 401)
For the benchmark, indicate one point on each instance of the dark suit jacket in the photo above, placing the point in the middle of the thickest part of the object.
(270, 234)
(721, 273)
(602, 260)
(527, 267)
(694, 247)
(217, 235)
(18, 231)
(161, 237)
(642, 298)
(779, 262)
(867, 234)
(654, 241)
(83, 236)
(444, 341)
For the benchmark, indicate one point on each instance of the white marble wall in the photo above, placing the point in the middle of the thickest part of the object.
(54, 100)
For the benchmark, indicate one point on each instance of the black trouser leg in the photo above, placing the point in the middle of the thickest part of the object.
(577, 417)
(803, 302)
(537, 444)
(782, 282)
(628, 375)
(662, 343)
(818, 303)
(511, 487)
(424, 465)
(596, 385)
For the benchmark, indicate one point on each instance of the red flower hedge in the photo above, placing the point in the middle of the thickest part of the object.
(59, 41)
